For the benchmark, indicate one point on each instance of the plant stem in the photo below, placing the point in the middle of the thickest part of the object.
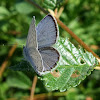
(33, 88)
(97, 68)
(4, 64)
(37, 6)
(76, 37)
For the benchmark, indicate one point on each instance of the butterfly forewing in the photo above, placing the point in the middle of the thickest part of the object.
(47, 31)
(32, 38)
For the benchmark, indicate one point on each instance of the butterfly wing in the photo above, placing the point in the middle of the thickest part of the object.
(47, 31)
(35, 60)
(50, 57)
(32, 37)
(30, 51)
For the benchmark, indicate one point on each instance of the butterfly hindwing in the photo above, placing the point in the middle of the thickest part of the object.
(36, 60)
(50, 57)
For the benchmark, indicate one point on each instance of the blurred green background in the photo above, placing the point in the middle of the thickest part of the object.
(81, 16)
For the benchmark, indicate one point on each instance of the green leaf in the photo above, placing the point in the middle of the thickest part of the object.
(73, 67)
(24, 8)
(19, 80)
(3, 88)
(3, 12)
(51, 4)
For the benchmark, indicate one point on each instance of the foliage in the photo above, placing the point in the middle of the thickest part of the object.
(82, 17)
(73, 67)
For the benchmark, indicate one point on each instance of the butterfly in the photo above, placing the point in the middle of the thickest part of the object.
(38, 50)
